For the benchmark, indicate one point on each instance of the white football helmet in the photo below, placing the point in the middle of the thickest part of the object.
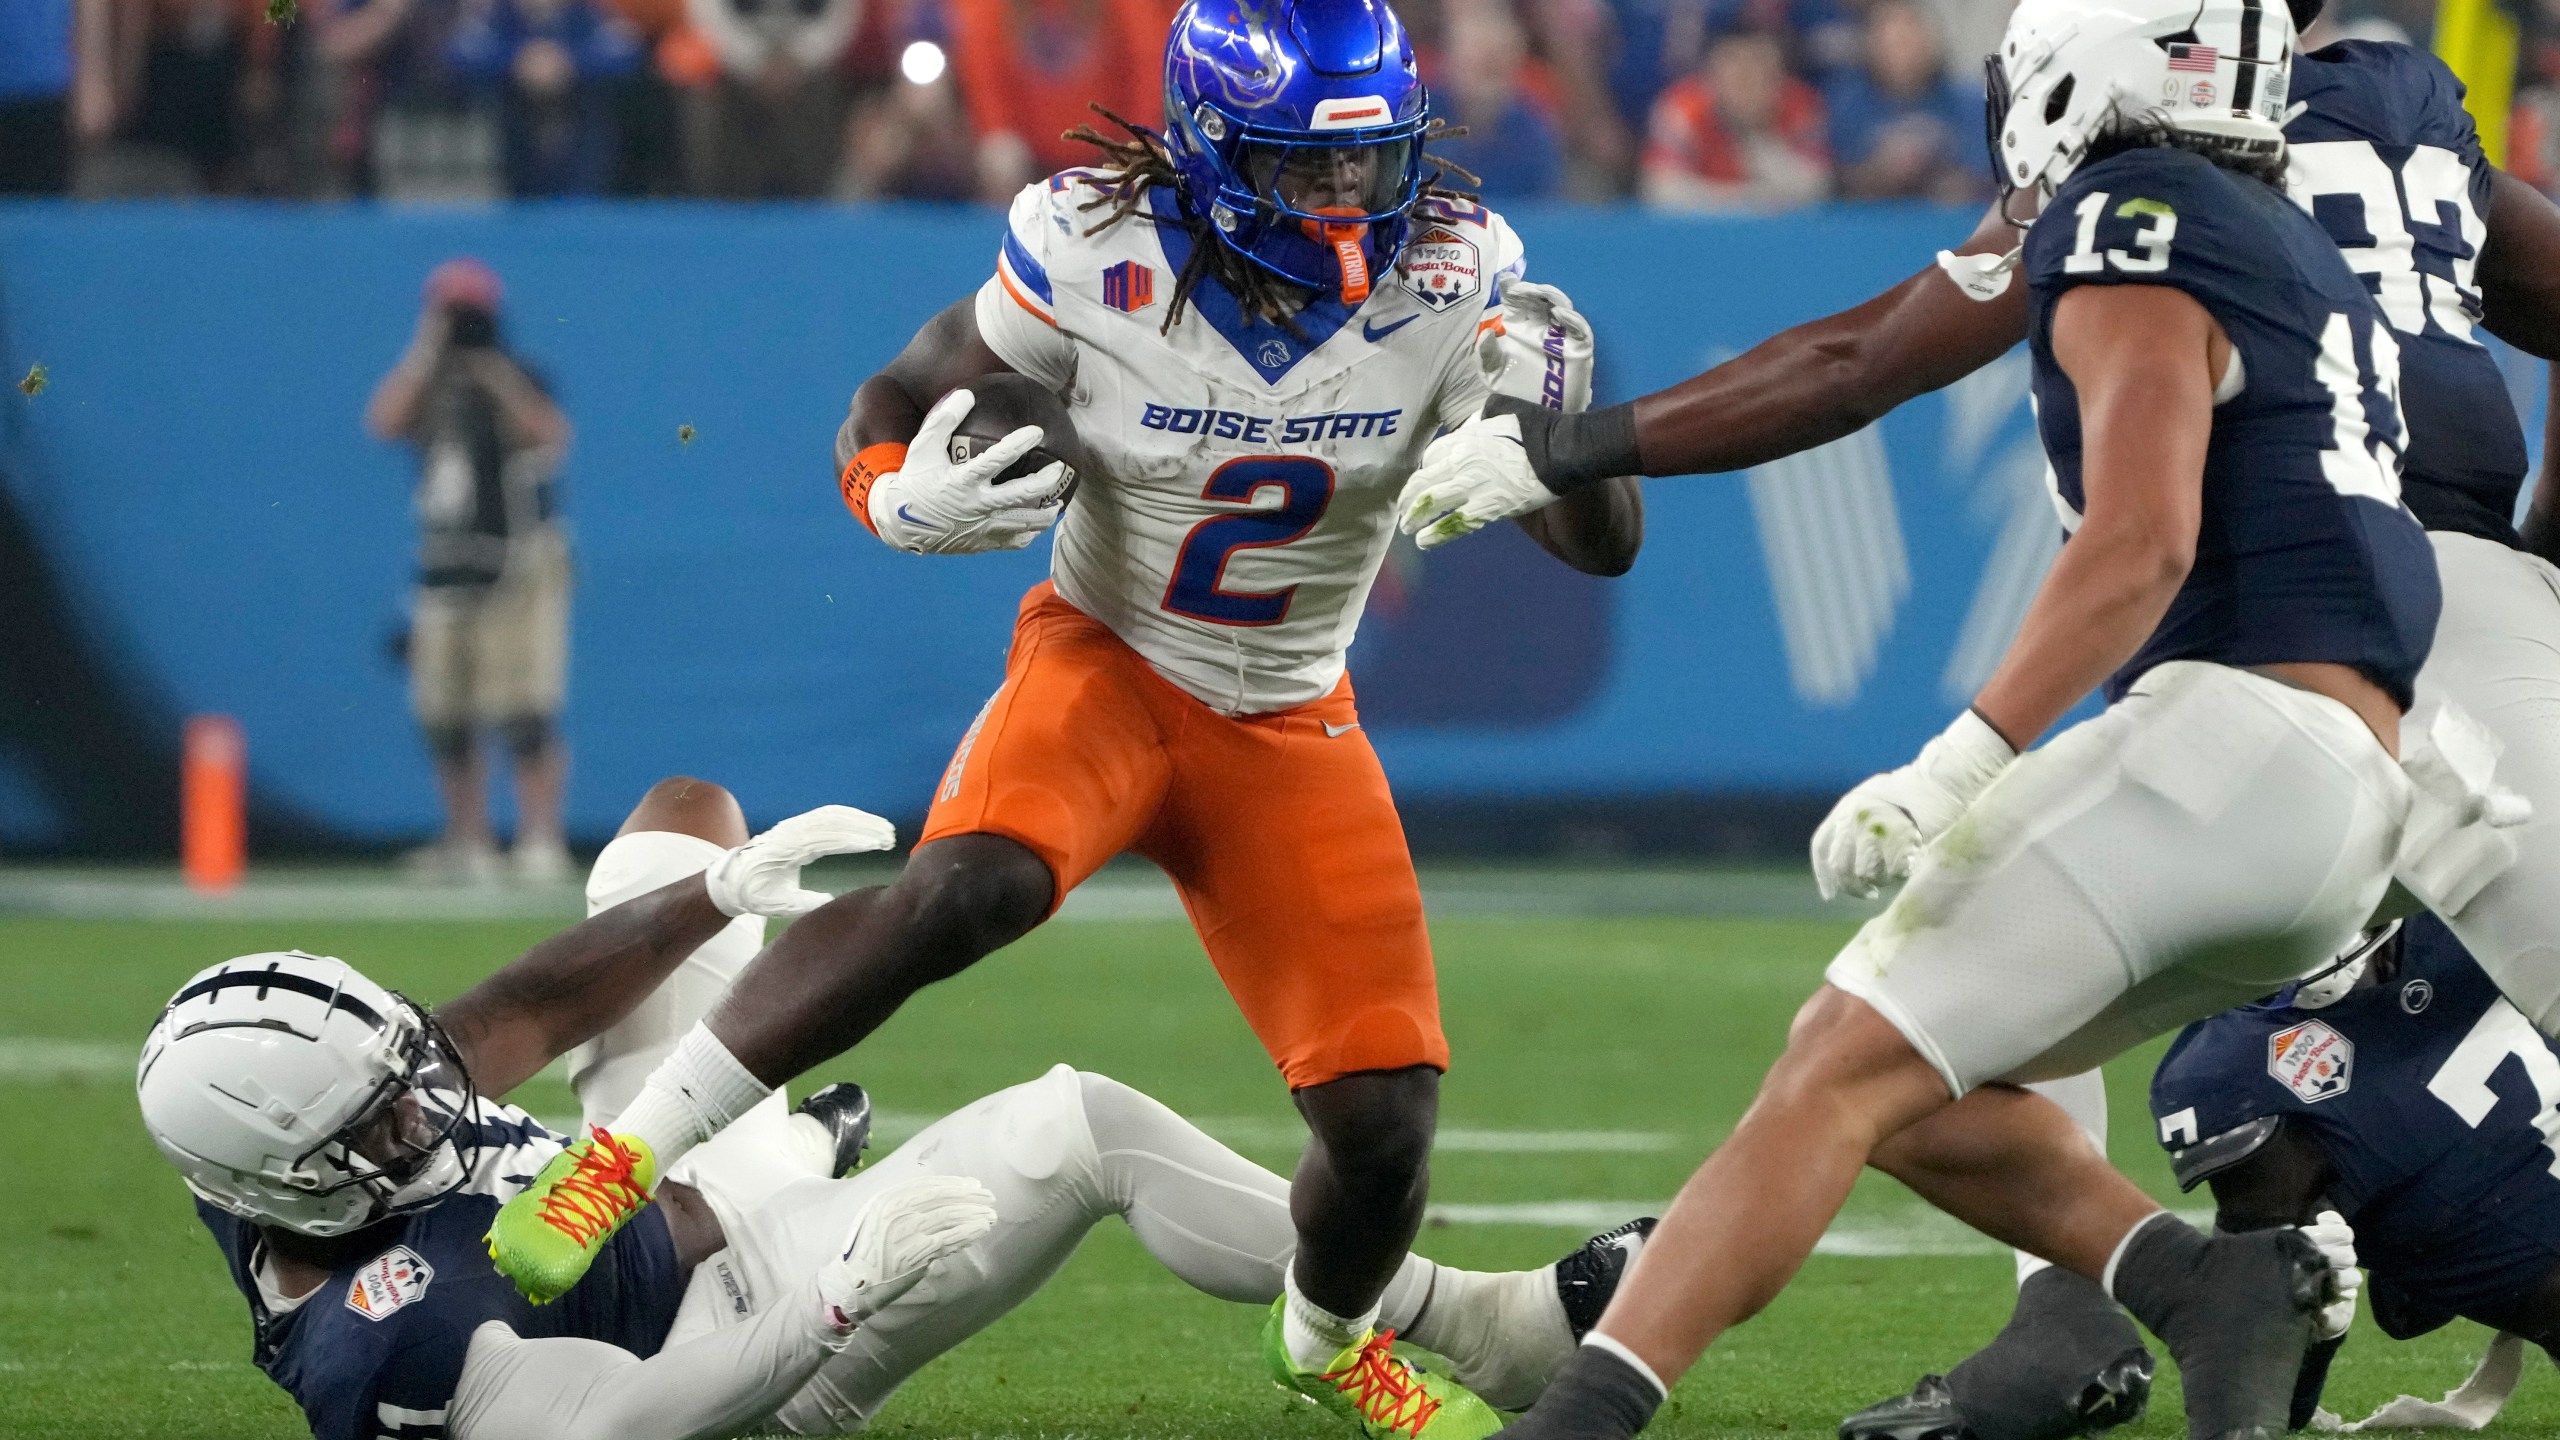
(290, 1090)
(2071, 70)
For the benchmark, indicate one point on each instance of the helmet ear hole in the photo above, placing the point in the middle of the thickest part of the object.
(2059, 100)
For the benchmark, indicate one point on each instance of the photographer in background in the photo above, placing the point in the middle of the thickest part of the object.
(489, 640)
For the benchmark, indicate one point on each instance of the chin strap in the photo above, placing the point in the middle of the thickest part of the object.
(1345, 238)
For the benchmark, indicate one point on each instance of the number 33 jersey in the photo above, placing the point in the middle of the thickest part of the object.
(2303, 550)
(1245, 472)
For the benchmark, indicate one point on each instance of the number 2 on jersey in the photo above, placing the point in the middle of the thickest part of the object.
(1198, 587)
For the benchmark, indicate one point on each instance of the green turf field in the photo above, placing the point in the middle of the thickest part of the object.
(116, 1318)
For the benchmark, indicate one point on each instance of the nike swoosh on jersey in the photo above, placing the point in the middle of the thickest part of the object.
(1333, 731)
(1373, 332)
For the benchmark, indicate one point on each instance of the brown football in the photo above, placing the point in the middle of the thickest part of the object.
(1006, 403)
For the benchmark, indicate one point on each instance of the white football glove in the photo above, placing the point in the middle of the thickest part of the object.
(2454, 841)
(1468, 479)
(1868, 839)
(2337, 1242)
(933, 505)
(1541, 352)
(762, 877)
(898, 1237)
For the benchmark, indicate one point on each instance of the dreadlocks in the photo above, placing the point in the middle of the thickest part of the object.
(1139, 162)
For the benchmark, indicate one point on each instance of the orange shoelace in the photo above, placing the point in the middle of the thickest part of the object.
(1384, 1388)
(597, 1194)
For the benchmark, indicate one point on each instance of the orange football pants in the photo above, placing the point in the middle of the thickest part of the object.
(1277, 830)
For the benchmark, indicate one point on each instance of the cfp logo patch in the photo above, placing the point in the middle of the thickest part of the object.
(394, 1278)
(2311, 1060)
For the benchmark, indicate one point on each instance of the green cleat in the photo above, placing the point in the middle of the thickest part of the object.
(1385, 1396)
(545, 1238)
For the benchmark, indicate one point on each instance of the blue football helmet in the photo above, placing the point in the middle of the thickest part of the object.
(1296, 128)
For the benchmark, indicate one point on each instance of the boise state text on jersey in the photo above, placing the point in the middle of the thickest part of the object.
(2304, 552)
(2384, 156)
(2428, 1093)
(377, 1350)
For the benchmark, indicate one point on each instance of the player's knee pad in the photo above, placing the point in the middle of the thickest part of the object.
(448, 742)
(527, 736)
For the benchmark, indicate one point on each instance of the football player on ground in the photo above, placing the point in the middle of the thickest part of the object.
(2218, 397)
(2375, 1101)
(1257, 318)
(2386, 159)
(344, 1151)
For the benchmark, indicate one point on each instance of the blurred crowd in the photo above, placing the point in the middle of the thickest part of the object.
(1736, 105)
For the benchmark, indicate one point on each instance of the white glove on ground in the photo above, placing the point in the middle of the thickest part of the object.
(2453, 843)
(1542, 350)
(1468, 479)
(934, 505)
(899, 1237)
(2337, 1241)
(1868, 839)
(762, 877)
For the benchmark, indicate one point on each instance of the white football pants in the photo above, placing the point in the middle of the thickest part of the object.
(2204, 840)
(2497, 655)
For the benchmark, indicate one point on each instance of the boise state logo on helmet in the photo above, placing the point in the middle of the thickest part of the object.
(1296, 128)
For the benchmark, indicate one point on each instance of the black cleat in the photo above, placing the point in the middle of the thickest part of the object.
(1587, 1278)
(1928, 1412)
(2115, 1395)
(846, 1112)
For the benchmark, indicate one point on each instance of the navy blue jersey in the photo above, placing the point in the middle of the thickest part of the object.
(2428, 1093)
(2384, 156)
(2304, 552)
(378, 1349)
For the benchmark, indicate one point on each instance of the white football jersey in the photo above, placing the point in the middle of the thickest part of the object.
(1243, 477)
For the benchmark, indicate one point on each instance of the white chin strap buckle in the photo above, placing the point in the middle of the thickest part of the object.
(1983, 277)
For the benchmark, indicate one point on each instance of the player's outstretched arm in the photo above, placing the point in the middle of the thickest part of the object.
(1831, 377)
(582, 981)
(2520, 268)
(1596, 530)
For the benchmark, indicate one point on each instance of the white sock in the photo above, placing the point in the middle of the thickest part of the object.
(813, 1146)
(1503, 1332)
(1314, 1334)
(690, 1097)
(1635, 1362)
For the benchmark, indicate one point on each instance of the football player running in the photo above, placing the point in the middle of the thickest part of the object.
(1257, 318)
(346, 1155)
(2218, 397)
(2385, 157)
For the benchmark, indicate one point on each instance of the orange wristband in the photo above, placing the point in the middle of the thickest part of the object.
(875, 461)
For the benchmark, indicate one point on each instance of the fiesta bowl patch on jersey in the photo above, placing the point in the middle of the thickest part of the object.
(2311, 1060)
(1442, 267)
(394, 1278)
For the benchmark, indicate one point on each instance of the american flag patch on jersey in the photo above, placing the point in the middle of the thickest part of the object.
(1130, 286)
(2193, 57)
